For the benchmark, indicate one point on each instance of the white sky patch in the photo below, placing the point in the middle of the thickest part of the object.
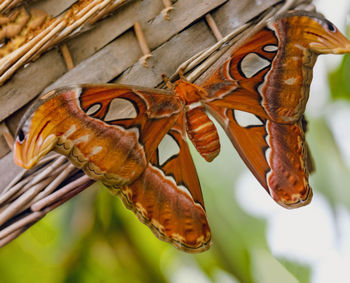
(308, 235)
(335, 266)
(304, 235)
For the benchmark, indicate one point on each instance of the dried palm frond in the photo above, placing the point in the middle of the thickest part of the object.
(25, 35)
(7, 5)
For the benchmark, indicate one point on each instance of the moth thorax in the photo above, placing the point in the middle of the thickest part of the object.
(202, 132)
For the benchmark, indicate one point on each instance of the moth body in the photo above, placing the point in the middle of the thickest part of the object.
(202, 132)
(200, 129)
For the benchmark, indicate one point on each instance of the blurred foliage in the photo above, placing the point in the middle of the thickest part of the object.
(301, 272)
(339, 81)
(331, 171)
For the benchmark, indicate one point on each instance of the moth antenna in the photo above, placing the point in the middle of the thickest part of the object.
(181, 75)
(168, 83)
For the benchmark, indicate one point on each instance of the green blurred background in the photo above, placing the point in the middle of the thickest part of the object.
(93, 238)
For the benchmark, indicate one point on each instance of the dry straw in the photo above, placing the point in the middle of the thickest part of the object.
(52, 31)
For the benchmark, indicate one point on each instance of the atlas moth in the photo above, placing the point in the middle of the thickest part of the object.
(133, 139)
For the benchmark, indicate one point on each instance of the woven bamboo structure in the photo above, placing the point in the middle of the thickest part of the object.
(47, 44)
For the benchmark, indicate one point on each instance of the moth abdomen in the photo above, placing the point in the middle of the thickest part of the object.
(202, 132)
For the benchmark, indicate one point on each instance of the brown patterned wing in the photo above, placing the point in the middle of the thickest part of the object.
(274, 68)
(168, 198)
(276, 154)
(110, 131)
(237, 83)
(133, 140)
(266, 147)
